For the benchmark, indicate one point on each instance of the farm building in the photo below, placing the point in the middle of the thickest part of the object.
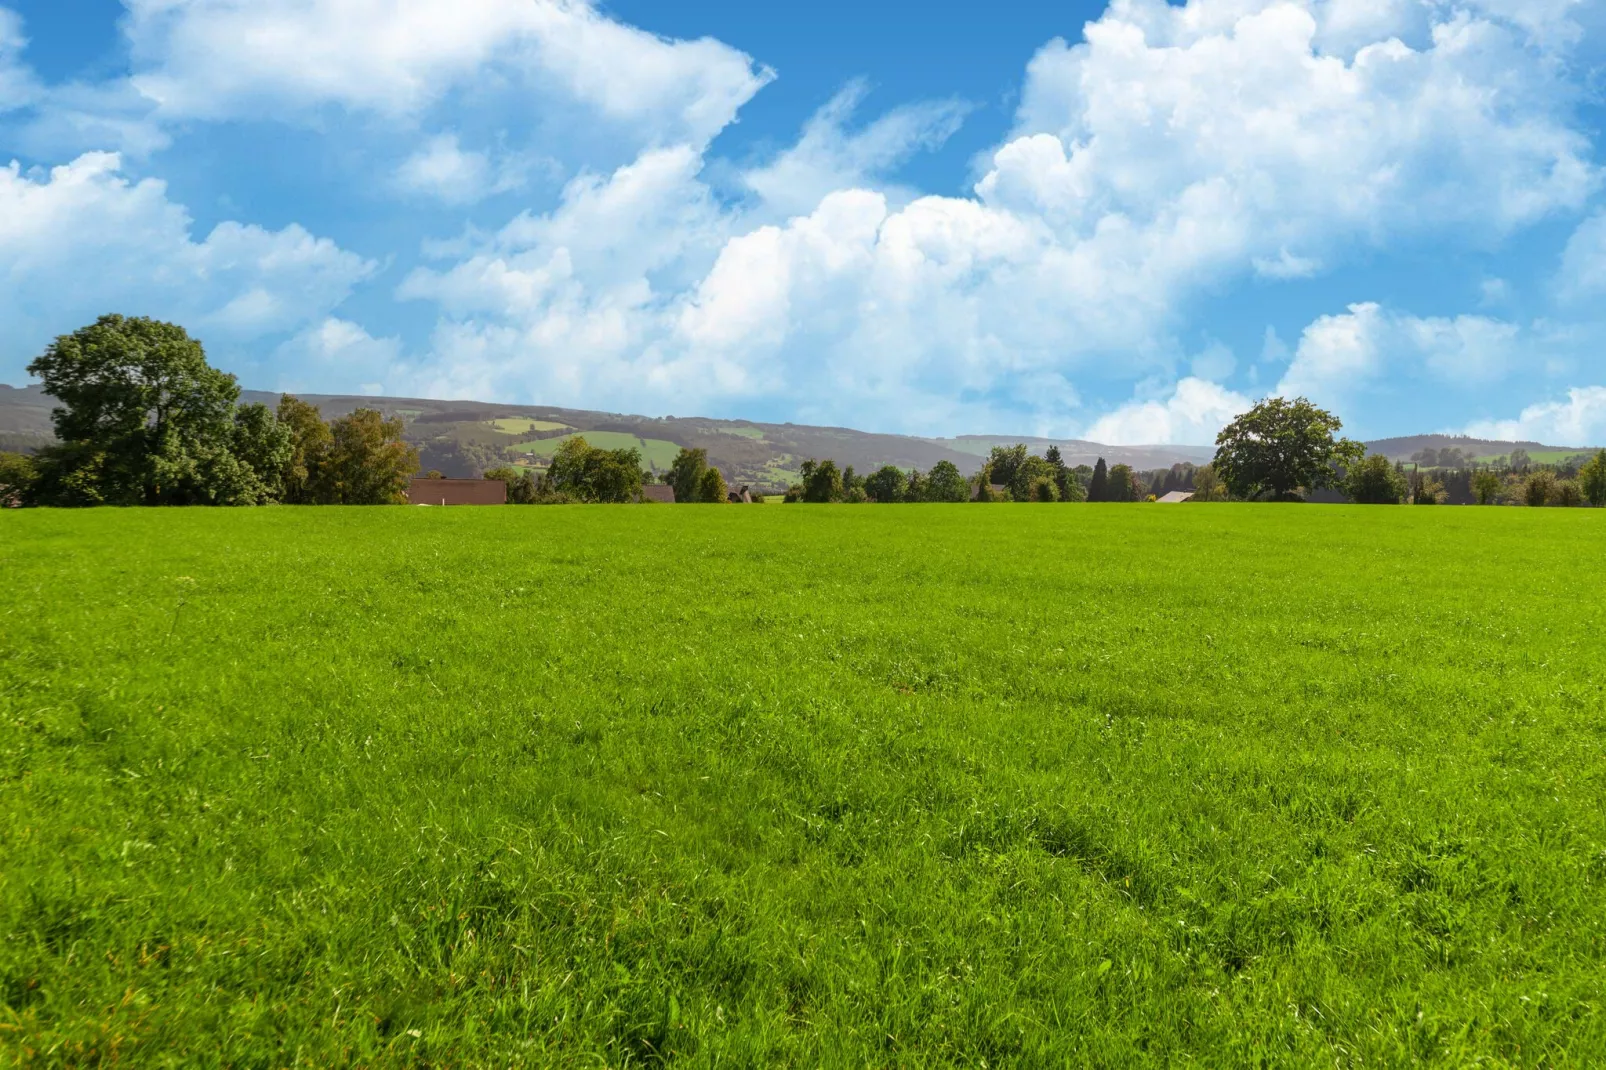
(425, 491)
(1175, 496)
(658, 492)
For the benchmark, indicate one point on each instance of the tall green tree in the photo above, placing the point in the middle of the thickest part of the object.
(1027, 480)
(686, 473)
(822, 482)
(915, 488)
(1122, 485)
(17, 477)
(1539, 487)
(310, 440)
(265, 446)
(368, 461)
(886, 484)
(1375, 481)
(1486, 486)
(144, 420)
(1098, 489)
(945, 483)
(1280, 446)
(713, 490)
(1592, 479)
(1004, 464)
(1207, 486)
(582, 472)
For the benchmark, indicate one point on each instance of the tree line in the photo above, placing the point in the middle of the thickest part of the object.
(1281, 450)
(145, 420)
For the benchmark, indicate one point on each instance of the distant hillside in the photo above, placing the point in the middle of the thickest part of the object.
(1479, 449)
(461, 438)
(464, 437)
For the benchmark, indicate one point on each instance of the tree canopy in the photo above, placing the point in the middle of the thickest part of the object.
(1592, 479)
(1281, 446)
(686, 473)
(145, 420)
(1375, 481)
(586, 473)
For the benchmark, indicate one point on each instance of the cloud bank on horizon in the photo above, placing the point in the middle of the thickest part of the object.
(528, 200)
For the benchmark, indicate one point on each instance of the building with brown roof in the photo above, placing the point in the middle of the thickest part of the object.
(658, 492)
(425, 491)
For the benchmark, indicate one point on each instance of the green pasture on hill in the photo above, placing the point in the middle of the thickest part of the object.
(656, 452)
(518, 425)
(803, 785)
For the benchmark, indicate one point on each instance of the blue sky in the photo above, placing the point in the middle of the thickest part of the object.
(1124, 222)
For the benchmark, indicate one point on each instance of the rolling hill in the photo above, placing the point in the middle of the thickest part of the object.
(461, 438)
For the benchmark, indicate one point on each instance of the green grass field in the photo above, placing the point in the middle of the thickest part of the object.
(656, 452)
(1098, 785)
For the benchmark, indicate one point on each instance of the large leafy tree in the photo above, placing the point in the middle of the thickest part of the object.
(822, 482)
(1207, 486)
(1280, 446)
(583, 472)
(265, 445)
(1122, 484)
(1375, 481)
(945, 483)
(1004, 464)
(886, 484)
(368, 463)
(712, 490)
(1035, 479)
(686, 473)
(310, 440)
(145, 420)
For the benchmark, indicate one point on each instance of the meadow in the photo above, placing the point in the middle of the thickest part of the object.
(656, 452)
(803, 785)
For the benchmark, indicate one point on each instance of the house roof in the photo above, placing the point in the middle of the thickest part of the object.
(422, 490)
(1176, 496)
(657, 492)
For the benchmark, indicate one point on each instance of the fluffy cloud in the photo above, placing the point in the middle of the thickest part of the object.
(1195, 411)
(337, 354)
(1578, 421)
(828, 157)
(1229, 128)
(1177, 148)
(223, 58)
(1341, 356)
(18, 87)
(1583, 263)
(1175, 152)
(445, 171)
(85, 240)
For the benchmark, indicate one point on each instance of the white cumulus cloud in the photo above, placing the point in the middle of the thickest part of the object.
(1341, 356)
(444, 170)
(1580, 420)
(84, 240)
(1192, 415)
(224, 58)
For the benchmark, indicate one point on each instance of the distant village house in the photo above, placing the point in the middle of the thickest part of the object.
(426, 491)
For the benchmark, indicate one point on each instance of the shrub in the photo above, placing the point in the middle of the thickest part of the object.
(712, 487)
(1566, 494)
(1374, 481)
(1485, 487)
(1539, 488)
